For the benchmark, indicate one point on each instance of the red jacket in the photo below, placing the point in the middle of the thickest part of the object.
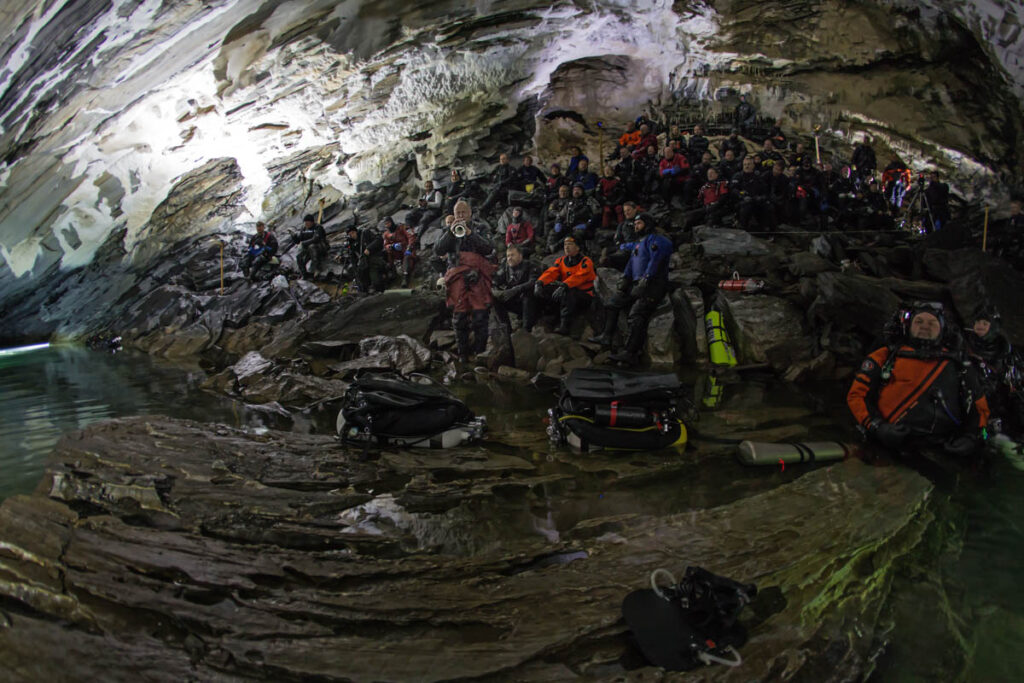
(518, 233)
(676, 162)
(462, 296)
(712, 192)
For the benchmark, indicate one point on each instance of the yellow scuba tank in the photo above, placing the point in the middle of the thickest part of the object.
(712, 392)
(720, 349)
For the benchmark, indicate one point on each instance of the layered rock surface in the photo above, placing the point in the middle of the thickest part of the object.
(172, 550)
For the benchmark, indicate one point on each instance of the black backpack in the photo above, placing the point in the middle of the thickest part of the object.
(616, 409)
(382, 407)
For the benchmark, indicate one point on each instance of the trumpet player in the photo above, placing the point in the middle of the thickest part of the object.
(467, 281)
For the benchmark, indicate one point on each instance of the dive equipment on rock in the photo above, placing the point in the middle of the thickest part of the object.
(741, 284)
(389, 409)
(720, 348)
(620, 410)
(757, 453)
(681, 626)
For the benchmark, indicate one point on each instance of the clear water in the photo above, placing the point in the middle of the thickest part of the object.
(45, 394)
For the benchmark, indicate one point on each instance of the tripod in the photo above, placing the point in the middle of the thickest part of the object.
(916, 211)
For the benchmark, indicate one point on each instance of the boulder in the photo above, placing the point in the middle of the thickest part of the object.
(765, 329)
(729, 242)
(401, 353)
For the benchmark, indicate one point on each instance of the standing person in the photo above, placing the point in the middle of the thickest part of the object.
(917, 392)
(569, 283)
(370, 263)
(512, 289)
(745, 115)
(863, 159)
(313, 247)
(642, 288)
(261, 248)
(467, 281)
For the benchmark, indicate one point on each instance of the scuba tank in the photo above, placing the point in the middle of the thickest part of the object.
(739, 284)
(713, 391)
(720, 349)
(756, 453)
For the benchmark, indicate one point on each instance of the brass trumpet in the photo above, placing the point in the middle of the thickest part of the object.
(459, 229)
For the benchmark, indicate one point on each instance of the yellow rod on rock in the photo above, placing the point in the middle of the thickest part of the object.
(984, 232)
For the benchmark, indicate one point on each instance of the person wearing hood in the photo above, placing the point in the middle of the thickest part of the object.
(918, 392)
(520, 232)
(400, 247)
(991, 352)
(642, 288)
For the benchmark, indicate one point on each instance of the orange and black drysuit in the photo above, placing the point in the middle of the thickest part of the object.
(570, 283)
(930, 392)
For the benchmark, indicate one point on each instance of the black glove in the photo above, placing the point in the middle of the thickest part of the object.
(561, 289)
(962, 446)
(640, 287)
(888, 434)
(471, 277)
(538, 288)
(500, 295)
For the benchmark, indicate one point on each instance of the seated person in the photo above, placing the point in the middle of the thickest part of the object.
(730, 165)
(519, 232)
(576, 156)
(619, 248)
(262, 247)
(713, 201)
(503, 179)
(583, 176)
(370, 263)
(997, 362)
(697, 145)
(673, 171)
(733, 142)
(913, 391)
(769, 155)
(631, 138)
(642, 288)
(647, 139)
(750, 191)
(428, 207)
(467, 281)
(569, 283)
(529, 177)
(457, 189)
(610, 193)
(698, 176)
(573, 215)
(400, 247)
(556, 179)
(313, 246)
(512, 288)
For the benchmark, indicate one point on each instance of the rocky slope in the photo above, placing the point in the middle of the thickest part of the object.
(108, 108)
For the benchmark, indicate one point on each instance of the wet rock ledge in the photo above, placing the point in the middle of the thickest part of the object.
(165, 550)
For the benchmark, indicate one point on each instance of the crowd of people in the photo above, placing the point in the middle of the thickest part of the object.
(496, 230)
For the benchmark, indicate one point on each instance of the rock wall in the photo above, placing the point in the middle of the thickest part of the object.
(106, 106)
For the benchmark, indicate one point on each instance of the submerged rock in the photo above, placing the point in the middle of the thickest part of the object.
(211, 552)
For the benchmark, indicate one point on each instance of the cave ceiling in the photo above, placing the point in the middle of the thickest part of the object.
(105, 105)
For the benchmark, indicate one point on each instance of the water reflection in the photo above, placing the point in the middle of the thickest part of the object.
(47, 393)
